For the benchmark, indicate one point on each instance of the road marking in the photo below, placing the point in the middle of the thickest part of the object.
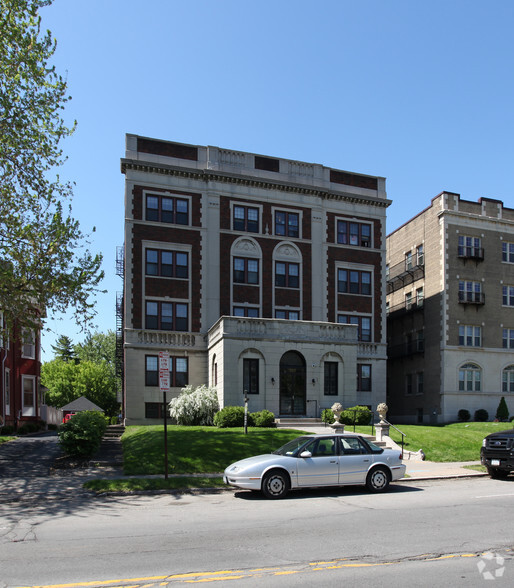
(224, 575)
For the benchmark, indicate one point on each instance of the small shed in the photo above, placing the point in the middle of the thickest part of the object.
(79, 405)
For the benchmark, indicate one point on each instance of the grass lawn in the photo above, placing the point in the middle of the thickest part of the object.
(208, 450)
(4, 439)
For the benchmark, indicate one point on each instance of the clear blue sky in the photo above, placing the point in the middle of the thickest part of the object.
(419, 92)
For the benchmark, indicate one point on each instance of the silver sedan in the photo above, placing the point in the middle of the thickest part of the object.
(318, 460)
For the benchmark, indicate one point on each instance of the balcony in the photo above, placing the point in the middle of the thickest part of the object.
(406, 306)
(401, 275)
(475, 298)
(474, 253)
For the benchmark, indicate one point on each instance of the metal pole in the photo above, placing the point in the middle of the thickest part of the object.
(246, 413)
(165, 435)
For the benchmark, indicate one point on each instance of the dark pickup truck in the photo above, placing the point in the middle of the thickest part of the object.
(497, 453)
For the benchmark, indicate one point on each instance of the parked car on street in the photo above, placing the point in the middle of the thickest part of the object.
(497, 453)
(318, 460)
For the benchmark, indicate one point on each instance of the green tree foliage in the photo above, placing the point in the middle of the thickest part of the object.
(45, 265)
(67, 381)
(502, 412)
(82, 434)
(63, 349)
(98, 348)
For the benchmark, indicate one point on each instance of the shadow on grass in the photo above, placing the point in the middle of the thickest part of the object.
(193, 450)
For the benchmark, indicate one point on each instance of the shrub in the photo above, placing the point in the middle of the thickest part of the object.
(82, 434)
(7, 430)
(232, 416)
(28, 428)
(264, 418)
(360, 415)
(502, 412)
(481, 415)
(463, 415)
(327, 416)
(195, 406)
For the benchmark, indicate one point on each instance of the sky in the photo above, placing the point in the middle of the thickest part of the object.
(421, 93)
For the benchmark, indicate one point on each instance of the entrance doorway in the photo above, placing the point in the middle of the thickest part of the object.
(292, 384)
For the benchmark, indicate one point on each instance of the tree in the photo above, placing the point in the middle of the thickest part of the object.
(45, 266)
(502, 412)
(97, 348)
(63, 349)
(67, 381)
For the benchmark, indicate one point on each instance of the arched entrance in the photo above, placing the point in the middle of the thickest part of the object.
(292, 384)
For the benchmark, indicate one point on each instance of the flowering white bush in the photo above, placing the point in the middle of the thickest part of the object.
(195, 406)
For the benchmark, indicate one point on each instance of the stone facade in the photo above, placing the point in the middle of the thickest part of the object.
(233, 256)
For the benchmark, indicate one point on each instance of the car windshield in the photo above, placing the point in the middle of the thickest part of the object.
(292, 447)
(374, 448)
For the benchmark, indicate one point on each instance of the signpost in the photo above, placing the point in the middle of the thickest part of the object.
(164, 384)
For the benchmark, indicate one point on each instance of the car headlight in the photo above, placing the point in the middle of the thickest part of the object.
(234, 469)
(483, 443)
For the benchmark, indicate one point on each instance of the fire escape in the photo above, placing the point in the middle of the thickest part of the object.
(120, 271)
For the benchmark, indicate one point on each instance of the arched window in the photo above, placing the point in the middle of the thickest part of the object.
(508, 379)
(470, 376)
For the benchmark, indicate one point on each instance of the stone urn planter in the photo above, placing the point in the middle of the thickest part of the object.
(382, 409)
(337, 409)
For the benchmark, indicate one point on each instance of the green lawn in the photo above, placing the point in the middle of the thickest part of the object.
(4, 439)
(207, 450)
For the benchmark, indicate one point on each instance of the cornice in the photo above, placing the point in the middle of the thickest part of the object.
(207, 175)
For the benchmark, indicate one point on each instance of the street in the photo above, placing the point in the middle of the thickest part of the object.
(439, 530)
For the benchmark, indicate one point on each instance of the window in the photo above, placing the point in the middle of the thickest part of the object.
(330, 381)
(363, 322)
(420, 382)
(508, 252)
(353, 233)
(363, 377)
(246, 271)
(287, 223)
(178, 371)
(251, 376)
(246, 311)
(408, 384)
(154, 410)
(353, 282)
(508, 379)
(292, 315)
(420, 341)
(408, 300)
(166, 209)
(470, 336)
(508, 338)
(166, 316)
(287, 275)
(469, 378)
(168, 264)
(408, 261)
(471, 292)
(508, 295)
(469, 247)
(420, 297)
(28, 349)
(420, 255)
(29, 395)
(246, 218)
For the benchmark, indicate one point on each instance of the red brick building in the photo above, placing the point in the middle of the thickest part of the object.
(255, 273)
(20, 363)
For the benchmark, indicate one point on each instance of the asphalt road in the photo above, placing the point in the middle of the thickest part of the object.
(417, 534)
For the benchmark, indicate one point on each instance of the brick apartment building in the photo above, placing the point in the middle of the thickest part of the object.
(20, 363)
(256, 274)
(450, 307)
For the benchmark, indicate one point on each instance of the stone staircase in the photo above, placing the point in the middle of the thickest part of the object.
(114, 431)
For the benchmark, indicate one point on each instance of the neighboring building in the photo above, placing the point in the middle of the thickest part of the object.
(20, 364)
(450, 304)
(80, 404)
(254, 273)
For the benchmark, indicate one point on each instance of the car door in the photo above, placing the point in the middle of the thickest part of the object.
(354, 461)
(322, 468)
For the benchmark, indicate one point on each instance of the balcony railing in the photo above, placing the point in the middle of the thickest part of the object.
(406, 306)
(476, 253)
(401, 275)
(471, 297)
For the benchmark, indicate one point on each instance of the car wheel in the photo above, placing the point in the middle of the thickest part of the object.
(378, 480)
(275, 484)
(497, 474)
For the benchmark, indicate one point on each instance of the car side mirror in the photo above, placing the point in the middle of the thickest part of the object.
(305, 454)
